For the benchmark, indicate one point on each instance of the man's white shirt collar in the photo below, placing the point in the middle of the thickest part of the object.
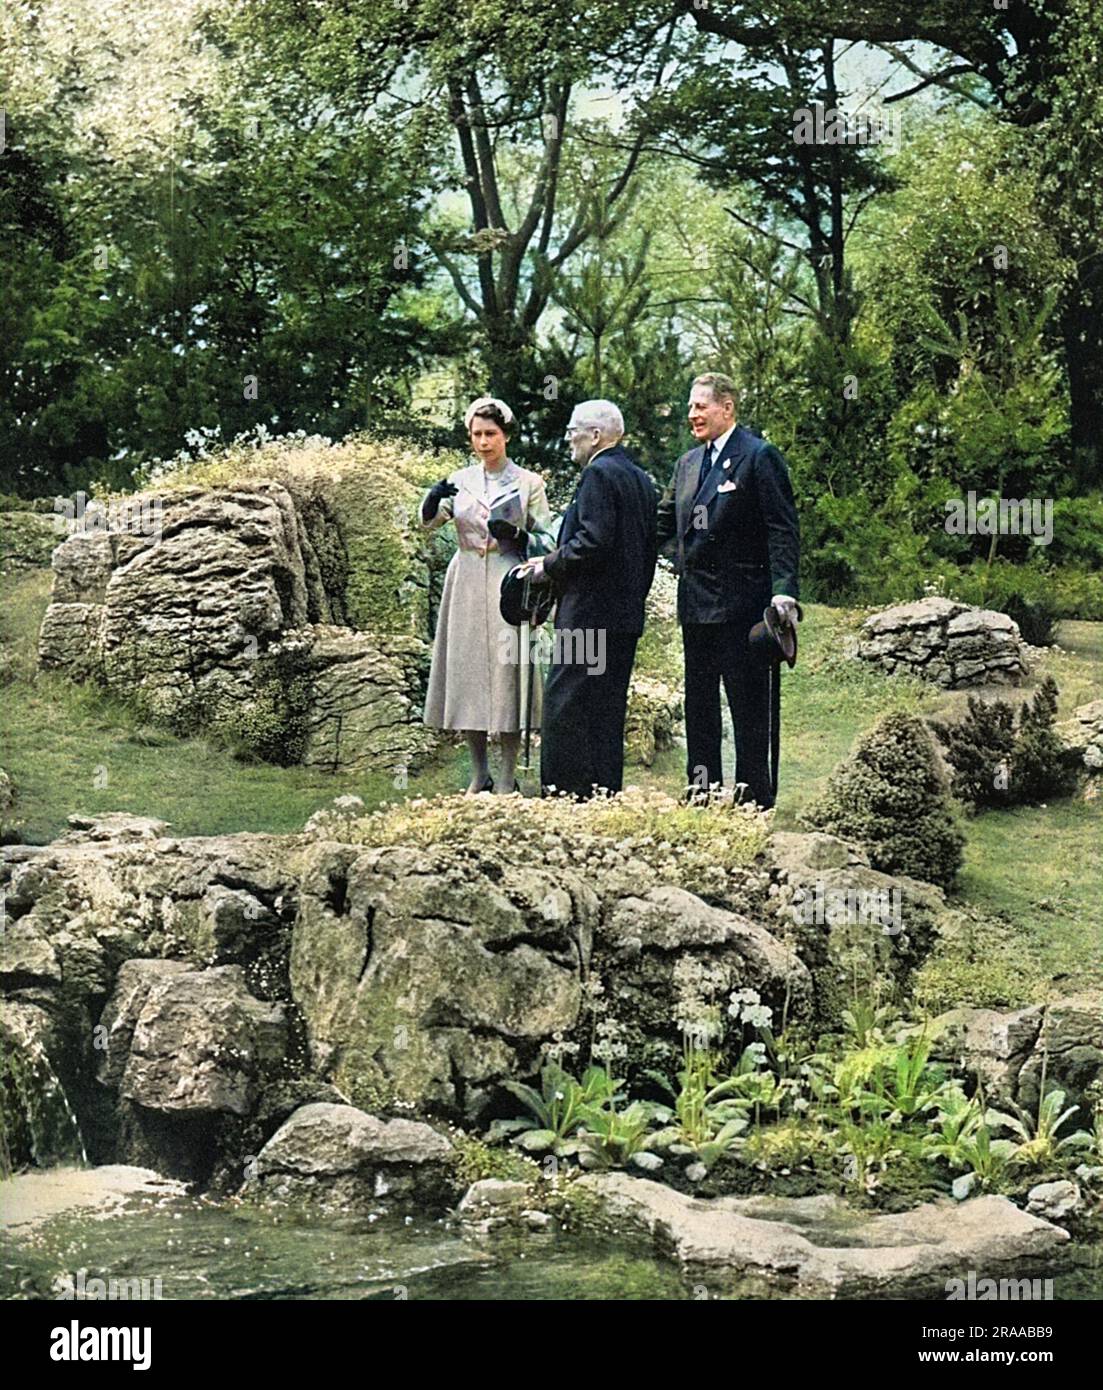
(721, 443)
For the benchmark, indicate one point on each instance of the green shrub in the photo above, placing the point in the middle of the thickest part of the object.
(1078, 593)
(891, 796)
(1041, 765)
(1078, 532)
(979, 751)
(1024, 592)
(996, 763)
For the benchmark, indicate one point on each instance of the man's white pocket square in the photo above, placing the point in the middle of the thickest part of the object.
(729, 486)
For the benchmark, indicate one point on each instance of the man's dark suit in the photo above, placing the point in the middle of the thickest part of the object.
(734, 546)
(602, 570)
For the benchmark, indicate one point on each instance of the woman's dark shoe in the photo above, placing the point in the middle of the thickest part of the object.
(487, 786)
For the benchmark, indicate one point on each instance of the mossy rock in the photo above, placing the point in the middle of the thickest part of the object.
(358, 502)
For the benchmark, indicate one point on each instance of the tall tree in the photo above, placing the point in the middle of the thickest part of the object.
(490, 96)
(1042, 68)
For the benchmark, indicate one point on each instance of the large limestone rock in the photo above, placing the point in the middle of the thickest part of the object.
(426, 976)
(819, 1247)
(115, 887)
(361, 712)
(849, 922)
(1009, 1051)
(948, 643)
(643, 939)
(178, 614)
(289, 610)
(421, 979)
(184, 1040)
(340, 1158)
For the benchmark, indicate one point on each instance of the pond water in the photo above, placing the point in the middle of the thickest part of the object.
(228, 1250)
(200, 1250)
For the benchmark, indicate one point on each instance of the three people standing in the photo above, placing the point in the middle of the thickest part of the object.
(727, 520)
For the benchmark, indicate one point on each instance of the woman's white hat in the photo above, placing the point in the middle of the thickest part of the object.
(481, 404)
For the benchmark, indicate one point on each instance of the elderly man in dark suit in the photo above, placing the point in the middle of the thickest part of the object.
(602, 569)
(729, 523)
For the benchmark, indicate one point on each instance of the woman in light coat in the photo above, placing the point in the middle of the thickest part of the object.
(501, 514)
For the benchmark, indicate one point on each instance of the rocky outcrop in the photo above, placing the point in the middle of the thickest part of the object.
(289, 613)
(949, 643)
(338, 1158)
(643, 939)
(421, 978)
(654, 710)
(1083, 734)
(176, 610)
(848, 921)
(359, 710)
(189, 1041)
(820, 1247)
(1010, 1051)
(187, 980)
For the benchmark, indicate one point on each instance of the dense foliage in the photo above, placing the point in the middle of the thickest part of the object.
(218, 217)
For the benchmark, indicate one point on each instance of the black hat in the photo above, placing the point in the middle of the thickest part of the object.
(772, 641)
(522, 601)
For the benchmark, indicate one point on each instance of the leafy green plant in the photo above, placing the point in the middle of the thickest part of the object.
(854, 1073)
(557, 1110)
(796, 1142)
(762, 1090)
(985, 1157)
(955, 1128)
(865, 1022)
(1094, 1137)
(868, 1149)
(904, 1087)
(702, 1105)
(1039, 1133)
(610, 1137)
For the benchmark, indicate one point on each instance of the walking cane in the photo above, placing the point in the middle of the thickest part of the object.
(526, 690)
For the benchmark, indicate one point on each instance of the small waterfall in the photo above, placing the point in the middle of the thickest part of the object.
(37, 1121)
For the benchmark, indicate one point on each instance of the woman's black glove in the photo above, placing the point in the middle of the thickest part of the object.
(506, 534)
(437, 493)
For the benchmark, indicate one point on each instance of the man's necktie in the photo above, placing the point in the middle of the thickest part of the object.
(706, 469)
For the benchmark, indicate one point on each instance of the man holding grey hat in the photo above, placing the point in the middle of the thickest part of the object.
(601, 571)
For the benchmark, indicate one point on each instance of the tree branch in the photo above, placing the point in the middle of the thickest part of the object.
(928, 79)
(457, 280)
(772, 236)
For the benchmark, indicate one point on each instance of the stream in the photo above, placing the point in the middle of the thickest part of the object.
(199, 1249)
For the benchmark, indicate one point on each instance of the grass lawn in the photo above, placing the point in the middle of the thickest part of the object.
(75, 748)
(1040, 868)
(70, 748)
